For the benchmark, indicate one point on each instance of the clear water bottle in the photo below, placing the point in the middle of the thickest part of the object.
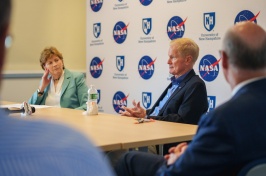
(92, 107)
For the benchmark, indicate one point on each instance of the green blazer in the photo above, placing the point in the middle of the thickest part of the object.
(74, 93)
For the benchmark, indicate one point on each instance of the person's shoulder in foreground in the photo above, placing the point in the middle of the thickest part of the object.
(42, 148)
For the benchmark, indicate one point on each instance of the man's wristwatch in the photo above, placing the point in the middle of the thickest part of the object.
(39, 92)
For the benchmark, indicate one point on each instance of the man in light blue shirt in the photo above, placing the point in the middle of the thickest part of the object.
(175, 84)
(185, 98)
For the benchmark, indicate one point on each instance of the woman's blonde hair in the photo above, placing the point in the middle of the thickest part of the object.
(48, 53)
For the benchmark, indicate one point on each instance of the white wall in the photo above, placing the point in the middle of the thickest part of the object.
(18, 90)
(37, 24)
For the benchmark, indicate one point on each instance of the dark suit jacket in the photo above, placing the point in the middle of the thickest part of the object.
(228, 137)
(187, 103)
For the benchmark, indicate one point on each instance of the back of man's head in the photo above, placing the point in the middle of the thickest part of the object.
(245, 45)
(5, 11)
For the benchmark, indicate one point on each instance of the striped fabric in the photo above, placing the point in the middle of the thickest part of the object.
(42, 148)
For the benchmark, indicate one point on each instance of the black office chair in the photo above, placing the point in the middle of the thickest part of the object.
(254, 168)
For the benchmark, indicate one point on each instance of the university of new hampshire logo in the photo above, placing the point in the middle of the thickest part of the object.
(96, 29)
(209, 68)
(96, 67)
(119, 100)
(145, 2)
(120, 62)
(175, 27)
(96, 5)
(246, 15)
(211, 102)
(146, 67)
(146, 99)
(146, 25)
(120, 32)
(209, 20)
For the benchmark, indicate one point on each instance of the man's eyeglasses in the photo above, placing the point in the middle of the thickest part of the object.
(8, 41)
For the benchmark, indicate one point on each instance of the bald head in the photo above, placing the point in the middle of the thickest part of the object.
(251, 34)
(245, 45)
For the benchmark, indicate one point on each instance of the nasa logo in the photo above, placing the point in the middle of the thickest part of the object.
(146, 99)
(96, 5)
(120, 62)
(96, 29)
(96, 67)
(145, 2)
(146, 25)
(146, 67)
(212, 102)
(119, 100)
(99, 96)
(246, 15)
(120, 0)
(209, 20)
(120, 32)
(209, 68)
(176, 27)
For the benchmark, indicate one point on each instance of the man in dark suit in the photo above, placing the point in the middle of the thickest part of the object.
(235, 132)
(185, 99)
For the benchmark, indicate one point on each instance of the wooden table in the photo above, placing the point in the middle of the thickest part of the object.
(112, 132)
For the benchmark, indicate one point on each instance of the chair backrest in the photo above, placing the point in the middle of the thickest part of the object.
(254, 168)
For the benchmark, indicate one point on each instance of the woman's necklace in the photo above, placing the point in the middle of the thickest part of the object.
(55, 83)
(57, 79)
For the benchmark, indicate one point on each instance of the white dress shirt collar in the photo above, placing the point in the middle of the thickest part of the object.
(242, 84)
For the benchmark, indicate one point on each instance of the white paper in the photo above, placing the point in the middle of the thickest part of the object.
(19, 106)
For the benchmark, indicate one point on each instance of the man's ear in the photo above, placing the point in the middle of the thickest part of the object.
(188, 59)
(224, 60)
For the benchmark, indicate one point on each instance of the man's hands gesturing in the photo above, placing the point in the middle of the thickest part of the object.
(136, 111)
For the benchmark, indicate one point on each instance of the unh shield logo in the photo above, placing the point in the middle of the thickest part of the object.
(120, 62)
(211, 102)
(209, 20)
(146, 25)
(146, 99)
(96, 29)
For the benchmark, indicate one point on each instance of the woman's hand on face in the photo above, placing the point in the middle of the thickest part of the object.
(45, 79)
(46, 73)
